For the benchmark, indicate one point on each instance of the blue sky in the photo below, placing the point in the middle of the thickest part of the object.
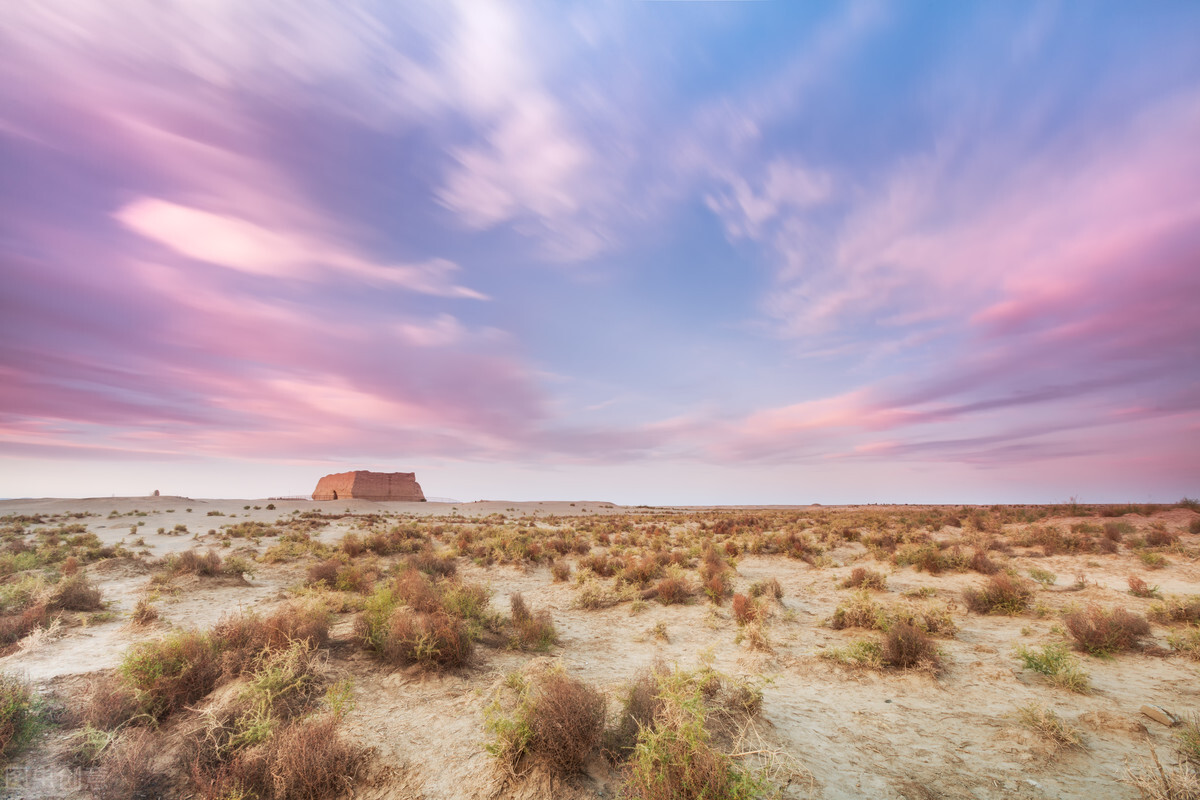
(646, 252)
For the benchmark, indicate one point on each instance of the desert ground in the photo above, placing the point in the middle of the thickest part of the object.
(288, 648)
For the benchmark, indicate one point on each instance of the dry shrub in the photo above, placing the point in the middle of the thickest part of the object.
(16, 626)
(675, 759)
(716, 575)
(861, 577)
(242, 637)
(172, 672)
(352, 545)
(1100, 632)
(641, 570)
(1155, 782)
(69, 566)
(417, 591)
(434, 639)
(982, 564)
(1001, 594)
(755, 636)
(108, 704)
(566, 720)
(208, 563)
(75, 593)
(673, 589)
(640, 704)
(306, 759)
(1139, 588)
(309, 760)
(17, 714)
(907, 646)
(860, 611)
(324, 572)
(1050, 726)
(533, 631)
(745, 609)
(770, 587)
(144, 612)
(1177, 609)
(1161, 538)
(561, 570)
(428, 562)
(719, 586)
(127, 770)
(601, 564)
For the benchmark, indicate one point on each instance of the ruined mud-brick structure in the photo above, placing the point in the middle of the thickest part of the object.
(363, 485)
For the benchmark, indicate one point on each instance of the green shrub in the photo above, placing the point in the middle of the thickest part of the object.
(1056, 663)
(675, 759)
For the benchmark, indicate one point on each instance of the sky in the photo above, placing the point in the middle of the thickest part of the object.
(645, 252)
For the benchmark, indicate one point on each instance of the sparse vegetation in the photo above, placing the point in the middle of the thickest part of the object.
(1058, 665)
(1050, 726)
(18, 715)
(1000, 594)
(860, 577)
(1102, 632)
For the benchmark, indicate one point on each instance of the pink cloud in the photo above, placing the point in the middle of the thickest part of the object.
(240, 245)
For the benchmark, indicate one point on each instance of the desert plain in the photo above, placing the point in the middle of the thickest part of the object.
(174, 647)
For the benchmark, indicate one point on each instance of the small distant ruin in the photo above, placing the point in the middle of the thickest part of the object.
(364, 485)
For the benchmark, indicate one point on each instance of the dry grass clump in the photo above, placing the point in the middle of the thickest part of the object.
(416, 620)
(861, 577)
(127, 770)
(676, 758)
(432, 639)
(144, 612)
(534, 631)
(746, 609)
(640, 703)
(179, 669)
(558, 722)
(1056, 663)
(1050, 726)
(338, 575)
(1155, 782)
(172, 672)
(566, 721)
(18, 714)
(1177, 609)
(430, 563)
(1000, 594)
(262, 744)
(1101, 632)
(674, 589)
(110, 703)
(1186, 642)
(198, 563)
(1139, 588)
(716, 575)
(906, 646)
(931, 557)
(861, 610)
(769, 587)
(1187, 740)
(75, 593)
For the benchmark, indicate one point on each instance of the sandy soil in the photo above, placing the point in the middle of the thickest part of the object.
(858, 733)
